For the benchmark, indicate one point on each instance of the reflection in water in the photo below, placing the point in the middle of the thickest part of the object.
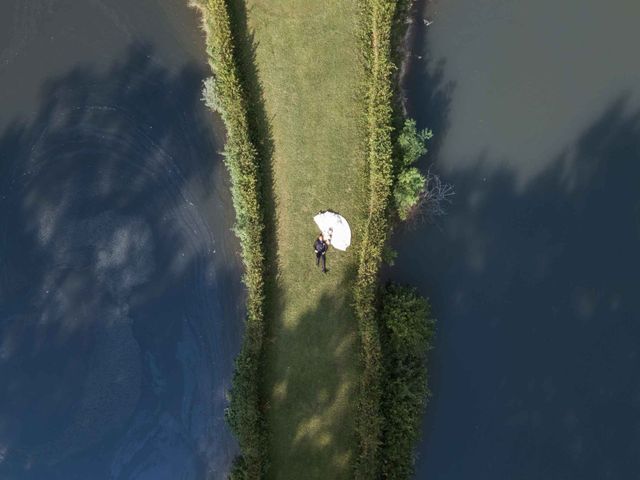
(118, 316)
(533, 275)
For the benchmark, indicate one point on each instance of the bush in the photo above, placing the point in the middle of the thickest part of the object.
(412, 143)
(407, 334)
(409, 187)
(225, 93)
(393, 387)
(389, 255)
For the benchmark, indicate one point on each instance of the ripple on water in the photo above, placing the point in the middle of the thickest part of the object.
(103, 225)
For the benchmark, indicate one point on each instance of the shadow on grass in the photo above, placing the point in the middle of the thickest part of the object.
(313, 382)
(261, 135)
(310, 369)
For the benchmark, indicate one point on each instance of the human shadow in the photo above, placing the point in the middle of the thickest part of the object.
(115, 279)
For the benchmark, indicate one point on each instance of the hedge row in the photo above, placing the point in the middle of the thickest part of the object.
(377, 21)
(225, 93)
(407, 331)
(394, 340)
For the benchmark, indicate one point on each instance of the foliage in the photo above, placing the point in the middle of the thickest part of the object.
(409, 186)
(210, 95)
(412, 143)
(407, 332)
(224, 92)
(389, 255)
(393, 388)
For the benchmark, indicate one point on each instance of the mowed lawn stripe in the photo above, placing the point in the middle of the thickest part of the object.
(309, 70)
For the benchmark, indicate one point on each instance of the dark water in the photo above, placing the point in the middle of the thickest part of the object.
(120, 297)
(534, 274)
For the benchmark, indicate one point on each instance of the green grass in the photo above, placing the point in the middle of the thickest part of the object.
(307, 59)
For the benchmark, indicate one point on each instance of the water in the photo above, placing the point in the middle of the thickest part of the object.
(120, 294)
(533, 275)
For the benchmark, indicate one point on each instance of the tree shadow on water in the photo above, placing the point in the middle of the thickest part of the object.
(535, 288)
(114, 280)
(424, 81)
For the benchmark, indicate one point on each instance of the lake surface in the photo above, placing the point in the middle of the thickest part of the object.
(120, 294)
(534, 274)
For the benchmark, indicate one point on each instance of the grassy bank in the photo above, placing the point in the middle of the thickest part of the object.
(225, 93)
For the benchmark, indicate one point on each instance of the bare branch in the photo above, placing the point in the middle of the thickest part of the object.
(435, 198)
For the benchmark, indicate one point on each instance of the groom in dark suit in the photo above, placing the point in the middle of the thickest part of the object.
(320, 247)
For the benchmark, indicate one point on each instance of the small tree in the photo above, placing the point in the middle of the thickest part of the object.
(407, 331)
(412, 143)
(410, 183)
(414, 192)
(408, 191)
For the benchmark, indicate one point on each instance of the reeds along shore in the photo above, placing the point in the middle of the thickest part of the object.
(225, 93)
(377, 21)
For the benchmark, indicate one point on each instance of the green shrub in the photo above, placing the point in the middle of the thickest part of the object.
(389, 255)
(409, 183)
(412, 143)
(407, 335)
(225, 93)
(408, 189)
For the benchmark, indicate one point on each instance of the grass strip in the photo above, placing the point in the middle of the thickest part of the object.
(307, 61)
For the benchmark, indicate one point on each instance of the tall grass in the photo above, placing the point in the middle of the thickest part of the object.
(377, 20)
(225, 93)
